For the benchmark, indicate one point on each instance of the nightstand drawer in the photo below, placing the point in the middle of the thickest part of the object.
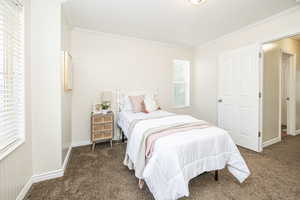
(102, 135)
(103, 127)
(102, 119)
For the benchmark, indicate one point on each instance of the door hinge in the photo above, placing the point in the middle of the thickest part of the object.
(260, 55)
(259, 95)
(259, 133)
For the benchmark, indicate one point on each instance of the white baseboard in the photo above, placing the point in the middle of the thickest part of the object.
(25, 189)
(45, 176)
(272, 141)
(66, 161)
(81, 143)
(38, 178)
(297, 132)
(48, 175)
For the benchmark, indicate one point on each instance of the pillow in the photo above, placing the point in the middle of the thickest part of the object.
(150, 104)
(137, 103)
(126, 104)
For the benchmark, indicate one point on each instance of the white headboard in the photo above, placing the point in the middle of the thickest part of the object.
(117, 103)
(121, 93)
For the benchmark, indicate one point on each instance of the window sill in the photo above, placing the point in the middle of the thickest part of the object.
(9, 149)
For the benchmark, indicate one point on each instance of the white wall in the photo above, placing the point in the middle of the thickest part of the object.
(107, 62)
(16, 168)
(204, 81)
(66, 95)
(41, 151)
(205, 63)
(46, 85)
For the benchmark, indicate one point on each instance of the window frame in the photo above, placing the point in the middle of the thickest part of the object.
(21, 136)
(185, 82)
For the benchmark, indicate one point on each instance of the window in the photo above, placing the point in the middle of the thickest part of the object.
(181, 83)
(12, 126)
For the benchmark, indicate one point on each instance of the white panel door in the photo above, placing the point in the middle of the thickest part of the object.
(239, 102)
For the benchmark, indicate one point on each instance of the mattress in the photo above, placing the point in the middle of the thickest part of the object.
(126, 117)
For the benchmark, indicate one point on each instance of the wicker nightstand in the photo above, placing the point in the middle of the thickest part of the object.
(102, 128)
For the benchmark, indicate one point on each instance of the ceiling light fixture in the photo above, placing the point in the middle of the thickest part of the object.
(197, 2)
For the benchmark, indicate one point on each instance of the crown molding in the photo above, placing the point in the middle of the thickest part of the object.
(250, 26)
(131, 38)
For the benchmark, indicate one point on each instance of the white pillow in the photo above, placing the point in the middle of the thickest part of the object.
(150, 104)
(126, 104)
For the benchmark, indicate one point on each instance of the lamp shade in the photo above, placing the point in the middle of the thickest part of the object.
(106, 96)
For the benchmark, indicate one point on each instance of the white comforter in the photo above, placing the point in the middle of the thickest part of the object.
(126, 117)
(180, 157)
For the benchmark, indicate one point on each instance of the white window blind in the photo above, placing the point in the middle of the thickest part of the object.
(181, 83)
(11, 73)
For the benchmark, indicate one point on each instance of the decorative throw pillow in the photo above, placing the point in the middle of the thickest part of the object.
(137, 103)
(150, 104)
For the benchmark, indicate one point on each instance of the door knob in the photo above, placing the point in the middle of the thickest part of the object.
(220, 100)
(288, 98)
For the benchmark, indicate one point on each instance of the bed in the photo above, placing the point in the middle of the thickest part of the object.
(125, 118)
(178, 157)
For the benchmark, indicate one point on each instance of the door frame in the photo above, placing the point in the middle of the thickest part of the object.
(291, 114)
(261, 96)
(261, 43)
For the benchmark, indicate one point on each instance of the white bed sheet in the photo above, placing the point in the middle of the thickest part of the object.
(126, 117)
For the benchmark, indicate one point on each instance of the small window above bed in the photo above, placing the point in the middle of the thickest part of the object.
(181, 83)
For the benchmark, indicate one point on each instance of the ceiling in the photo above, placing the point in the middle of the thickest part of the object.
(171, 21)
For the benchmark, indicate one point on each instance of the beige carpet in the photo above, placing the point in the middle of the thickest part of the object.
(101, 175)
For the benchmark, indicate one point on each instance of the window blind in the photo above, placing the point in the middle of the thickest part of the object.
(11, 72)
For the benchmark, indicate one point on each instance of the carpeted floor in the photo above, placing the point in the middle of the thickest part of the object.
(101, 175)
